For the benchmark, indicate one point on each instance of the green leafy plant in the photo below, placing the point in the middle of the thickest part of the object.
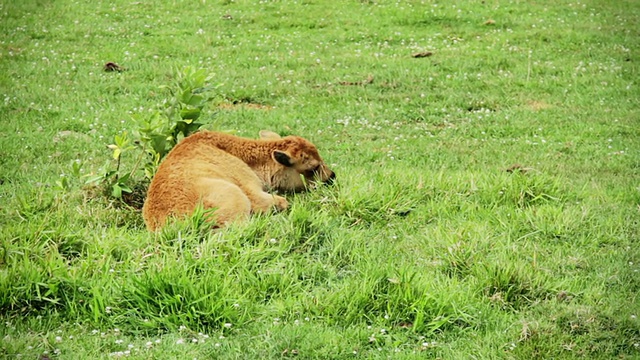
(114, 181)
(177, 116)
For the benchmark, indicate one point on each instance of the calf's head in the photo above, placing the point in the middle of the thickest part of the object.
(299, 164)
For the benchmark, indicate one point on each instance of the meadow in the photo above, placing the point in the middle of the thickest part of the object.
(487, 203)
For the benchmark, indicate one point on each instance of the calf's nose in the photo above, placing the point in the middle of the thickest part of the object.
(331, 178)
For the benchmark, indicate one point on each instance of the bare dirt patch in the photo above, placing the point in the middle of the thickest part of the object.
(537, 105)
(236, 105)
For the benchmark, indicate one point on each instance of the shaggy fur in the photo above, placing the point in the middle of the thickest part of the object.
(231, 174)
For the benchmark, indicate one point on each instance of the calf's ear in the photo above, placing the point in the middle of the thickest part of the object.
(282, 158)
(269, 135)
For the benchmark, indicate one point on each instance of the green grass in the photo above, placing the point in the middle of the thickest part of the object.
(426, 248)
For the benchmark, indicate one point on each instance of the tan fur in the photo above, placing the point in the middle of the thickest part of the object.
(231, 174)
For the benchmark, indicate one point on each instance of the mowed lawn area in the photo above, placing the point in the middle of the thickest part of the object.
(486, 206)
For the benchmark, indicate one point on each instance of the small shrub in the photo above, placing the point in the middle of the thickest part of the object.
(177, 117)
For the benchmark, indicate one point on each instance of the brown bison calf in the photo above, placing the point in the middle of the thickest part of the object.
(231, 174)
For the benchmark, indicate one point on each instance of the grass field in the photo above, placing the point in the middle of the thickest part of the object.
(427, 247)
